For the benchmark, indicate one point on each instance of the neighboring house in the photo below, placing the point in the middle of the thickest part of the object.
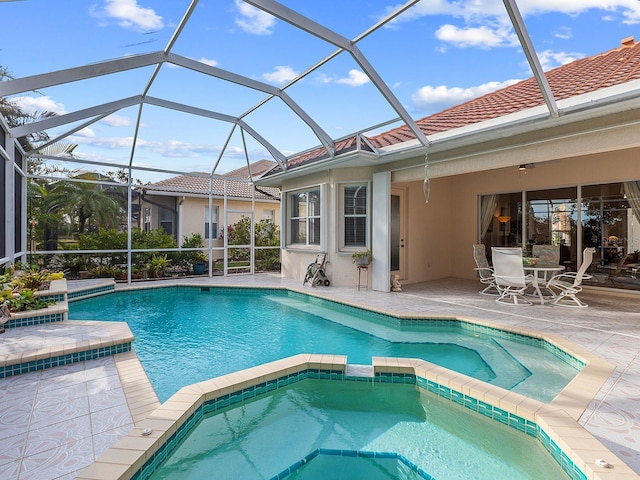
(509, 168)
(181, 205)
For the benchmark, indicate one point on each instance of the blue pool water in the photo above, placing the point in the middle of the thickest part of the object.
(263, 437)
(187, 335)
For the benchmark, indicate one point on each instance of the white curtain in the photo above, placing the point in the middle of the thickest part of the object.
(632, 189)
(488, 204)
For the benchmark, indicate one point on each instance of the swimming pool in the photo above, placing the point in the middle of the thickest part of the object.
(317, 429)
(188, 334)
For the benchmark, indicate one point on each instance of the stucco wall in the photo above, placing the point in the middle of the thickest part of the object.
(440, 234)
(428, 246)
(340, 268)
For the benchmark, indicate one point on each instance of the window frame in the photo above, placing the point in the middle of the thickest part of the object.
(340, 191)
(215, 222)
(289, 218)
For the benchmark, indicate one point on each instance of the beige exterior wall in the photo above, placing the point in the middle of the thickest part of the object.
(191, 215)
(440, 234)
(427, 245)
(295, 261)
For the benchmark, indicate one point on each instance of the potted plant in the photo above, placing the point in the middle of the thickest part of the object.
(362, 259)
(196, 260)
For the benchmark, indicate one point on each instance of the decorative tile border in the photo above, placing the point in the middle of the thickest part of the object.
(59, 360)
(353, 454)
(486, 409)
(25, 321)
(88, 292)
(57, 297)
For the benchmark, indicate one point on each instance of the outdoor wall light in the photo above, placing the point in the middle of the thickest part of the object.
(523, 167)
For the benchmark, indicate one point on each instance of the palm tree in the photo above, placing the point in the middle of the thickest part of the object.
(88, 203)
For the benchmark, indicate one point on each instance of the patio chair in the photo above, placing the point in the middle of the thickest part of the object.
(569, 284)
(484, 270)
(548, 255)
(509, 275)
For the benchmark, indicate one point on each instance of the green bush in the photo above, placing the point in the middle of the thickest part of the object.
(266, 234)
(188, 259)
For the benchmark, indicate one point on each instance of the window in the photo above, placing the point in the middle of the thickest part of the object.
(354, 203)
(147, 219)
(166, 220)
(269, 214)
(213, 233)
(603, 216)
(304, 217)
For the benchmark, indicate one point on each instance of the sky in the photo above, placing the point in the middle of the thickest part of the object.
(437, 54)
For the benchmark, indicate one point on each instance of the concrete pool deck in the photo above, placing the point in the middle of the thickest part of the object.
(57, 434)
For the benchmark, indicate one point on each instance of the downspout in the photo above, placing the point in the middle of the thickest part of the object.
(180, 229)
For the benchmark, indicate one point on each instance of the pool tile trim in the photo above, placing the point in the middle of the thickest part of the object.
(140, 453)
(55, 313)
(106, 285)
(119, 340)
(352, 454)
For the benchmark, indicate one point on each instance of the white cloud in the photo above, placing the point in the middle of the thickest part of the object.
(280, 75)
(478, 16)
(483, 36)
(115, 120)
(475, 9)
(166, 148)
(39, 104)
(253, 20)
(86, 133)
(105, 142)
(563, 33)
(549, 59)
(323, 78)
(356, 78)
(131, 15)
(206, 61)
(443, 96)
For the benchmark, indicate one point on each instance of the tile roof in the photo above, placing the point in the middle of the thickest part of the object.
(189, 184)
(607, 69)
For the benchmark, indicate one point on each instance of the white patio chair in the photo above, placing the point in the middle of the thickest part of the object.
(569, 284)
(509, 275)
(484, 270)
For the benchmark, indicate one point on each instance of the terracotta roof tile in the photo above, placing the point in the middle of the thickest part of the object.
(586, 75)
(200, 185)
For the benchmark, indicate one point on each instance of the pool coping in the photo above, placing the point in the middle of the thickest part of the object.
(153, 438)
(557, 418)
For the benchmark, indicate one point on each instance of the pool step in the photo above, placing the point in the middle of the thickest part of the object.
(40, 347)
(355, 370)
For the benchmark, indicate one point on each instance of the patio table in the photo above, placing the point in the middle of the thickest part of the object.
(540, 278)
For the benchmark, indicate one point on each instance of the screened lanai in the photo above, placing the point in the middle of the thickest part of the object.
(139, 94)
